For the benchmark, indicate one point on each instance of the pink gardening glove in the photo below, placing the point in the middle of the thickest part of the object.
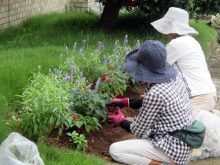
(119, 102)
(117, 119)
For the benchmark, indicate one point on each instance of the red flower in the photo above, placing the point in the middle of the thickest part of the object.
(85, 89)
(116, 95)
(80, 87)
(92, 97)
(112, 69)
(109, 133)
(104, 77)
(88, 93)
(73, 117)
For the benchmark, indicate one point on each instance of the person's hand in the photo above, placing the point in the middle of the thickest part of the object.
(117, 119)
(119, 102)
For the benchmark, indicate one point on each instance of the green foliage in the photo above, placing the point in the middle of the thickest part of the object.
(206, 6)
(88, 103)
(14, 122)
(78, 140)
(157, 8)
(45, 103)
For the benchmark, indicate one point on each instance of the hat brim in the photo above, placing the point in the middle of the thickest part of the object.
(141, 73)
(168, 26)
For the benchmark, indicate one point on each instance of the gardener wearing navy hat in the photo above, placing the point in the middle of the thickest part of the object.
(166, 108)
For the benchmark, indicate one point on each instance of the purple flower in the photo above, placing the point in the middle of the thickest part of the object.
(67, 50)
(96, 51)
(39, 67)
(124, 52)
(80, 53)
(60, 72)
(116, 45)
(126, 40)
(66, 76)
(83, 43)
(116, 64)
(104, 60)
(73, 69)
(102, 48)
(123, 69)
(77, 82)
(75, 90)
(61, 55)
(108, 60)
(74, 47)
(100, 43)
(97, 84)
(71, 78)
(81, 74)
(64, 79)
(113, 51)
(70, 62)
(137, 46)
(56, 81)
(55, 70)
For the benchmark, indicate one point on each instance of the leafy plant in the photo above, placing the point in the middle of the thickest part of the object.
(89, 123)
(78, 140)
(45, 103)
(88, 102)
(14, 122)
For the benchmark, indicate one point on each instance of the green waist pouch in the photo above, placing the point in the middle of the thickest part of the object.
(193, 135)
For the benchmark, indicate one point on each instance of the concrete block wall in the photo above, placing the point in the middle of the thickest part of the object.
(80, 5)
(14, 12)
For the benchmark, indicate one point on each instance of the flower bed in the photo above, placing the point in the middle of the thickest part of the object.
(74, 95)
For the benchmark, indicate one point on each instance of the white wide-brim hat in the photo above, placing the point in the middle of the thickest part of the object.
(176, 20)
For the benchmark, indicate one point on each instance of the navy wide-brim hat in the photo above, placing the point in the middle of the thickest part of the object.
(148, 64)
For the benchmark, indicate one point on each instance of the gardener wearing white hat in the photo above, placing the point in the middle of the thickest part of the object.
(184, 50)
(166, 108)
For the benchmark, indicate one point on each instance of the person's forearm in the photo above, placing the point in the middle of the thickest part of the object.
(126, 125)
(136, 103)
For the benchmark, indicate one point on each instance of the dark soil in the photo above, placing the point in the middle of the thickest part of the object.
(100, 140)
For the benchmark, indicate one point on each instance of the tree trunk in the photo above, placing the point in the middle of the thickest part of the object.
(109, 16)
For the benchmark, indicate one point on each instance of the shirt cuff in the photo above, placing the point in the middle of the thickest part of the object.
(125, 124)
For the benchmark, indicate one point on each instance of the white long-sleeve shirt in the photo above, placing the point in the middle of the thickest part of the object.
(187, 52)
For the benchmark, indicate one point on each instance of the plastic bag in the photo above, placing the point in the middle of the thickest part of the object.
(17, 150)
(97, 7)
(211, 144)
